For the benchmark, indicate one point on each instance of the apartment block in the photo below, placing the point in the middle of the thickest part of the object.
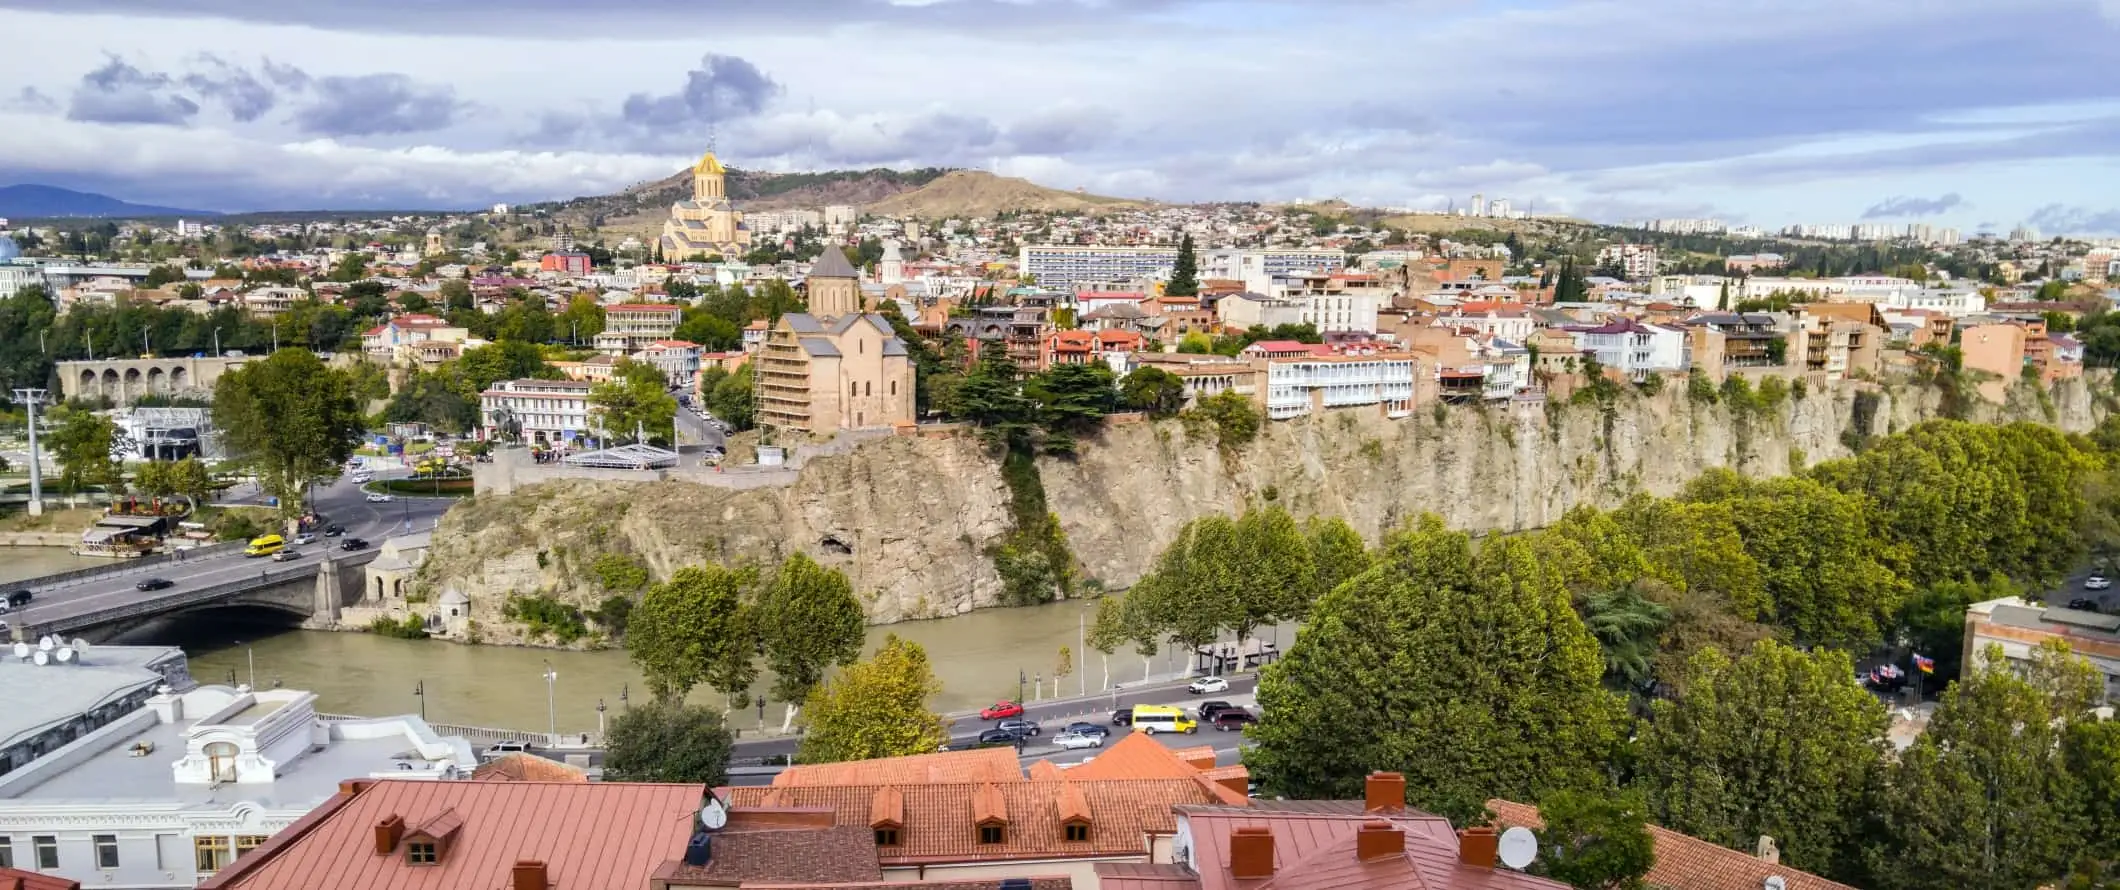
(1311, 384)
(543, 412)
(2019, 627)
(1067, 265)
(630, 327)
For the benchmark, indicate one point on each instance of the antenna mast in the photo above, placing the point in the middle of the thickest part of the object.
(33, 398)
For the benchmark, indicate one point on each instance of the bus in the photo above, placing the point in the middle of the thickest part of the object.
(1153, 719)
(264, 545)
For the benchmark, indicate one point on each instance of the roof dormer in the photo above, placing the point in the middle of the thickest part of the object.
(429, 844)
(1072, 808)
(990, 814)
(887, 816)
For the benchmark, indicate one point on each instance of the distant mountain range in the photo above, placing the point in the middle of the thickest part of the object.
(47, 202)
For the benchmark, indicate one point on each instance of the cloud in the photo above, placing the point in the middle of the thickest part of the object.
(119, 93)
(30, 99)
(721, 89)
(375, 105)
(246, 96)
(2059, 219)
(1904, 206)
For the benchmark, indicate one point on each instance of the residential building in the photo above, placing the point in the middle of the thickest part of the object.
(1068, 265)
(1021, 331)
(1838, 339)
(2019, 627)
(542, 412)
(1800, 289)
(1635, 262)
(123, 772)
(1506, 320)
(1247, 310)
(1955, 301)
(679, 360)
(1726, 341)
(1749, 263)
(415, 340)
(630, 327)
(1333, 304)
(1313, 383)
(707, 224)
(1997, 348)
(1632, 349)
(1256, 267)
(834, 368)
(841, 216)
(1376, 843)
(1206, 375)
(565, 263)
(1684, 862)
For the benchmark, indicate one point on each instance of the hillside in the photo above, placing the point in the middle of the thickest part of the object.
(974, 193)
(30, 201)
(642, 208)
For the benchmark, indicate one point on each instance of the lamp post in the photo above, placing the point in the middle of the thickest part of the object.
(623, 688)
(599, 720)
(419, 691)
(551, 703)
(1019, 685)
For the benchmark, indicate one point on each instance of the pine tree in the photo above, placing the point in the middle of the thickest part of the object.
(1185, 273)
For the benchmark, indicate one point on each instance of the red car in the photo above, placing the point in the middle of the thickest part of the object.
(1001, 709)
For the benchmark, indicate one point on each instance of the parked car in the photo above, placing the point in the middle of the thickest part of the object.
(1020, 727)
(1233, 719)
(155, 584)
(304, 538)
(287, 556)
(2083, 604)
(1123, 717)
(1072, 740)
(999, 737)
(499, 748)
(1206, 685)
(1001, 709)
(1088, 728)
(377, 497)
(2097, 582)
(1207, 709)
(353, 544)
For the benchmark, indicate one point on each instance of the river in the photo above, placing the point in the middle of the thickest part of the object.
(976, 656)
(17, 563)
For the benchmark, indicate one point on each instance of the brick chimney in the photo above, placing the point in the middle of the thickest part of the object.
(529, 875)
(1251, 852)
(1384, 793)
(387, 834)
(1477, 846)
(1378, 839)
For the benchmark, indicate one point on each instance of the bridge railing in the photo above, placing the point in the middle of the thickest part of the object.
(183, 598)
(117, 566)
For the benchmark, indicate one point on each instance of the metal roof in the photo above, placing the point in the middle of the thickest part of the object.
(624, 457)
(832, 263)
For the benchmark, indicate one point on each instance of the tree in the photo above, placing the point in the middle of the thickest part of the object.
(733, 399)
(668, 741)
(1195, 589)
(433, 399)
(83, 443)
(525, 321)
(478, 369)
(1824, 569)
(1072, 401)
(1185, 272)
(190, 478)
(1983, 799)
(1595, 841)
(1336, 554)
(1107, 631)
(875, 708)
(350, 267)
(291, 419)
(2091, 752)
(1477, 677)
(809, 620)
(456, 295)
(1571, 287)
(626, 407)
(582, 320)
(695, 629)
(1779, 742)
(1627, 626)
(1154, 390)
(1233, 417)
(1196, 343)
(1276, 575)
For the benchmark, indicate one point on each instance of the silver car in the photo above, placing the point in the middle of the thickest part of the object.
(1073, 740)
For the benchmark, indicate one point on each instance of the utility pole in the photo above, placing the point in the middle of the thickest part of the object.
(33, 398)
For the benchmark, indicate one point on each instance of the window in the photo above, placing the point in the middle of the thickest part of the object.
(47, 847)
(420, 853)
(886, 837)
(248, 842)
(853, 389)
(210, 854)
(7, 852)
(894, 387)
(1078, 831)
(992, 834)
(106, 850)
(867, 388)
(221, 759)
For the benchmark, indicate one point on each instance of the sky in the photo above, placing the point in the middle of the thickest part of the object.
(1979, 114)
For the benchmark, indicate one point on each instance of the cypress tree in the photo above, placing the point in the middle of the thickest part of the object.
(1185, 273)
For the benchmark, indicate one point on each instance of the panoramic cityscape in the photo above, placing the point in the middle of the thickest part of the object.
(756, 460)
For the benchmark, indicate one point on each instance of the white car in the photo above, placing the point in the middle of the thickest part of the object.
(379, 498)
(2097, 582)
(1206, 685)
(500, 748)
(304, 539)
(1078, 740)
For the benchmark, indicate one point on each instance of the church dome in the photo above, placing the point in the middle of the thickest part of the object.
(8, 249)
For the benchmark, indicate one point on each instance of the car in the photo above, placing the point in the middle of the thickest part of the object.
(1021, 727)
(1233, 719)
(15, 600)
(2097, 582)
(1001, 709)
(377, 497)
(334, 530)
(1089, 728)
(1206, 685)
(353, 544)
(2083, 604)
(994, 737)
(287, 556)
(1207, 709)
(304, 539)
(499, 748)
(1123, 717)
(4, 627)
(155, 584)
(1072, 740)
(363, 478)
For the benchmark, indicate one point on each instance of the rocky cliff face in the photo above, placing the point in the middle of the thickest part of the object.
(909, 518)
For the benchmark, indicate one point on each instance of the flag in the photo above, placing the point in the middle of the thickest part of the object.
(1925, 663)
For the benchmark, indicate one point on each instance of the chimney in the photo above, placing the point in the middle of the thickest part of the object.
(1477, 846)
(387, 834)
(1384, 793)
(1251, 853)
(529, 875)
(1378, 839)
(1769, 852)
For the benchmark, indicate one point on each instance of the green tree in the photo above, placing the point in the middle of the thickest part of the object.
(1072, 401)
(1627, 625)
(525, 321)
(27, 320)
(581, 321)
(83, 442)
(1108, 631)
(190, 478)
(629, 405)
(695, 629)
(1825, 571)
(456, 295)
(2090, 750)
(1476, 677)
(1185, 273)
(875, 708)
(991, 398)
(1196, 343)
(350, 267)
(1154, 390)
(291, 419)
(1336, 554)
(153, 479)
(668, 741)
(1779, 742)
(1235, 420)
(733, 399)
(1595, 841)
(1276, 577)
(1196, 588)
(809, 620)
(436, 400)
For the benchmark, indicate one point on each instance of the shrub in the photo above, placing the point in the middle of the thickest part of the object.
(410, 628)
(1698, 389)
(1235, 419)
(618, 572)
(542, 615)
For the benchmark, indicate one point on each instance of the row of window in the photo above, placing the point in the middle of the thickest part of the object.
(863, 388)
(210, 854)
(1076, 832)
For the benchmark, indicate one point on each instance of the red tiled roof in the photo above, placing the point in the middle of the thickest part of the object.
(1314, 849)
(1687, 862)
(17, 879)
(521, 767)
(595, 834)
(1038, 882)
(843, 854)
(640, 307)
(1278, 346)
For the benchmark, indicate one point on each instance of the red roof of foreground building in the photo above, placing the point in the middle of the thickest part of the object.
(584, 835)
(1687, 862)
(17, 879)
(974, 765)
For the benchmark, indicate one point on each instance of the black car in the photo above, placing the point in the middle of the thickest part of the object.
(2083, 605)
(1020, 727)
(1123, 717)
(334, 530)
(1233, 719)
(155, 584)
(353, 544)
(1089, 729)
(1208, 710)
(994, 737)
(18, 599)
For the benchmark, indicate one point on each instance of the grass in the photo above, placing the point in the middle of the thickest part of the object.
(447, 488)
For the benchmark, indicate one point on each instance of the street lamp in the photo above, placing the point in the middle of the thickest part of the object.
(551, 703)
(623, 688)
(1019, 685)
(419, 691)
(599, 719)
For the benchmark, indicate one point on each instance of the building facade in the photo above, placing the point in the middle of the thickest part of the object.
(707, 224)
(1310, 385)
(542, 412)
(1068, 265)
(835, 367)
(631, 327)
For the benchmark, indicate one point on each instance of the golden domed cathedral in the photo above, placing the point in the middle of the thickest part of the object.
(707, 224)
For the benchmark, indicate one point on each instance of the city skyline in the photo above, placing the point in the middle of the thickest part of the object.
(1955, 114)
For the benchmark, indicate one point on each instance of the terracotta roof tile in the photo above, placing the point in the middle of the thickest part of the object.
(521, 767)
(1040, 882)
(843, 854)
(975, 765)
(989, 806)
(17, 879)
(1314, 849)
(1071, 805)
(1684, 862)
(887, 808)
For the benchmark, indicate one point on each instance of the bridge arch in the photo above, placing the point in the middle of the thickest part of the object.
(132, 385)
(89, 387)
(157, 381)
(112, 389)
(179, 379)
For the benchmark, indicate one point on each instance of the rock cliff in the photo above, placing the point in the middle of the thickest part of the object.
(909, 518)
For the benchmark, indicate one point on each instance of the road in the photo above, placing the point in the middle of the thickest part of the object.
(2108, 600)
(341, 502)
(693, 429)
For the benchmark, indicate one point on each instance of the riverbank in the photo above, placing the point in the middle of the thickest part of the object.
(39, 539)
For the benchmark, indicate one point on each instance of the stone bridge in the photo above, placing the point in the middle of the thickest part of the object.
(312, 594)
(126, 379)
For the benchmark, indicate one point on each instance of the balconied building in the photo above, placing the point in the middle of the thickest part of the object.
(631, 327)
(542, 412)
(1309, 385)
(1021, 331)
(421, 340)
(835, 367)
(1839, 340)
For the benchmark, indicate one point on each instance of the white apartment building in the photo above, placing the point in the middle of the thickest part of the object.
(1068, 265)
(122, 772)
(1635, 261)
(1258, 267)
(630, 327)
(546, 412)
(841, 216)
(1300, 386)
(1249, 310)
(1956, 301)
(1633, 348)
(1758, 287)
(1332, 304)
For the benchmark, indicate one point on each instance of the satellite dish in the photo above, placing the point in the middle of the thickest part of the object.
(712, 815)
(80, 645)
(1776, 882)
(66, 655)
(46, 643)
(42, 657)
(21, 650)
(1518, 847)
